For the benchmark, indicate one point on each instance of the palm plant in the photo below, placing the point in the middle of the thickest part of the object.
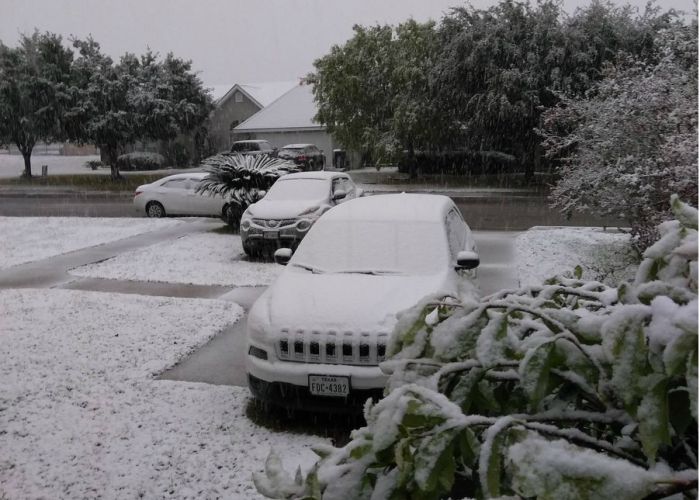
(243, 180)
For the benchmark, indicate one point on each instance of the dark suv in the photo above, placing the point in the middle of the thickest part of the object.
(307, 156)
(253, 147)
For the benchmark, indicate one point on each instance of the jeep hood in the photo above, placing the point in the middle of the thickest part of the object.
(301, 300)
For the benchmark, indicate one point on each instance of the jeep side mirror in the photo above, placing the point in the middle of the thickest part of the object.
(467, 259)
(282, 256)
(339, 195)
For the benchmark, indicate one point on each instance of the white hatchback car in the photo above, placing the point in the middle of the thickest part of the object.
(315, 337)
(291, 206)
(175, 195)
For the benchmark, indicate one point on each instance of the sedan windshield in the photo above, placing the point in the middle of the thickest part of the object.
(374, 248)
(298, 189)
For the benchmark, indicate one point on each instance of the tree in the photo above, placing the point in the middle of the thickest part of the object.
(352, 87)
(632, 140)
(503, 66)
(134, 100)
(373, 92)
(34, 92)
(564, 391)
(242, 179)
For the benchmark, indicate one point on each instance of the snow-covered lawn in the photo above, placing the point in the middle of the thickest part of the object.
(13, 165)
(200, 259)
(604, 255)
(27, 239)
(81, 415)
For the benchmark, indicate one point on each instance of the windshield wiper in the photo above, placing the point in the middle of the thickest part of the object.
(314, 270)
(371, 272)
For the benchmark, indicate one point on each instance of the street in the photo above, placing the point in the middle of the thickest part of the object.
(495, 212)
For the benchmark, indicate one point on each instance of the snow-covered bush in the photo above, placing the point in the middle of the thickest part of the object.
(633, 140)
(242, 179)
(140, 161)
(567, 390)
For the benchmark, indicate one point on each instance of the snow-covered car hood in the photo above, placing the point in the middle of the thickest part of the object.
(301, 300)
(267, 209)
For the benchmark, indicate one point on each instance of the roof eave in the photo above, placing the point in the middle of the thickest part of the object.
(281, 129)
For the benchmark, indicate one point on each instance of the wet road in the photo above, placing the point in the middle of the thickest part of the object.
(495, 212)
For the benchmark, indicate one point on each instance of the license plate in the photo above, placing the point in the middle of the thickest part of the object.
(271, 235)
(327, 385)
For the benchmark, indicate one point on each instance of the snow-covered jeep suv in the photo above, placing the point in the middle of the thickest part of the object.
(316, 337)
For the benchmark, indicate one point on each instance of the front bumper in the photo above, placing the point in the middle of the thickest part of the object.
(259, 236)
(286, 384)
(299, 398)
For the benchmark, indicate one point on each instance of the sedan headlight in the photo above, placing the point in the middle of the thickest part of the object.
(245, 220)
(304, 225)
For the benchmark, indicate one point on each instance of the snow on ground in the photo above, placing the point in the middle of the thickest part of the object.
(199, 259)
(604, 255)
(81, 415)
(27, 239)
(12, 165)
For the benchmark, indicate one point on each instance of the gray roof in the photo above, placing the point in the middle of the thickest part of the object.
(261, 94)
(295, 110)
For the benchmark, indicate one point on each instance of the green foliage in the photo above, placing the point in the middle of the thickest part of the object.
(136, 99)
(35, 91)
(474, 85)
(632, 140)
(564, 391)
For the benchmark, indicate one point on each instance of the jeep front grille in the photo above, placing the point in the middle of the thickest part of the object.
(346, 348)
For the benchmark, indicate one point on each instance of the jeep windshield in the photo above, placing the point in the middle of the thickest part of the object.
(374, 248)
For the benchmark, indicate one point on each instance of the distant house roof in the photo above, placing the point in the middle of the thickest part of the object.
(218, 91)
(295, 110)
(261, 94)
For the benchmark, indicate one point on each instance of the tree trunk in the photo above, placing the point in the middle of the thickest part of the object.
(111, 154)
(27, 155)
(412, 167)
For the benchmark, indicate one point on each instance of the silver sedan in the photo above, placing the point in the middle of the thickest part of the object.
(175, 195)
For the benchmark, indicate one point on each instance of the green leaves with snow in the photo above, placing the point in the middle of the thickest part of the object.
(534, 372)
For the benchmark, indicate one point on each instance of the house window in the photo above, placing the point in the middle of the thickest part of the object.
(238, 97)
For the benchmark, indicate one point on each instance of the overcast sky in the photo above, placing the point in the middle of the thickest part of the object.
(230, 41)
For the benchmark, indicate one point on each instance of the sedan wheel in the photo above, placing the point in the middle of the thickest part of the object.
(155, 209)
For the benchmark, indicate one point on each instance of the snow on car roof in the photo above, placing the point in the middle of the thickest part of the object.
(295, 146)
(313, 175)
(256, 141)
(190, 175)
(393, 207)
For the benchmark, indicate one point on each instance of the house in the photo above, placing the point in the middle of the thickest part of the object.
(289, 120)
(235, 104)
